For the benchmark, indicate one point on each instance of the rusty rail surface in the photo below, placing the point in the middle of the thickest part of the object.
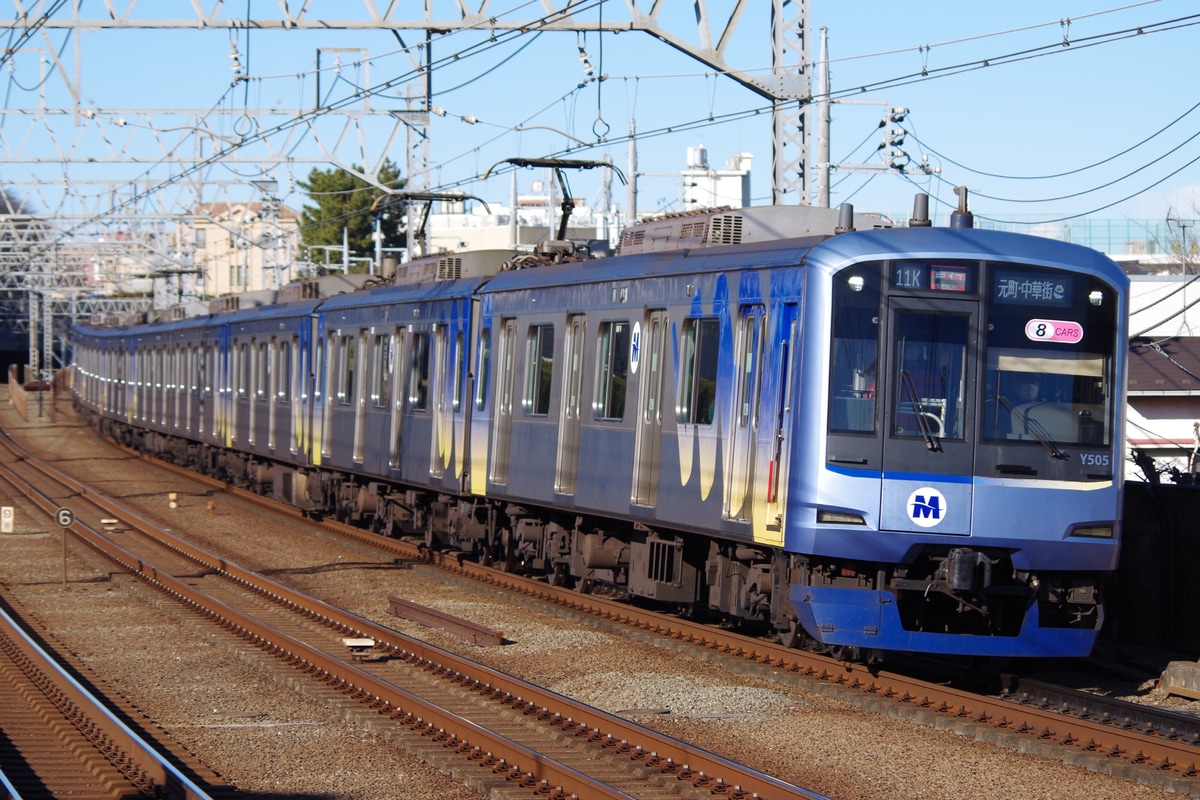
(519, 763)
(432, 618)
(1156, 747)
(91, 734)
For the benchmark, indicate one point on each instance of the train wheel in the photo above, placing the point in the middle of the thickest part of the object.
(794, 636)
(560, 576)
(845, 653)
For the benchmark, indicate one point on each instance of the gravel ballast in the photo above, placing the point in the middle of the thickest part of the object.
(265, 738)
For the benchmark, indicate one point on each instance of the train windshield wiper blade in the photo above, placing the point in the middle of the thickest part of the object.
(1036, 428)
(931, 441)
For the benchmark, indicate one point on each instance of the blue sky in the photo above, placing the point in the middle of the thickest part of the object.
(1052, 127)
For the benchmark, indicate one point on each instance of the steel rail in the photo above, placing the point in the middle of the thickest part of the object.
(683, 761)
(1161, 750)
(138, 760)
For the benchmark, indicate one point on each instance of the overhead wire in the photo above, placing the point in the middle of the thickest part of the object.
(313, 114)
(545, 20)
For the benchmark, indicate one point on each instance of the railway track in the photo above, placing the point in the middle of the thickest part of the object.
(1110, 735)
(510, 732)
(60, 740)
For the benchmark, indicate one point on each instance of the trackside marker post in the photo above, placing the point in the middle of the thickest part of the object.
(65, 518)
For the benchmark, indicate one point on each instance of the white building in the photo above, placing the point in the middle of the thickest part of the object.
(705, 187)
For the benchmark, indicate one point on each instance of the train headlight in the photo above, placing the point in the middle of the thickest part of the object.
(1093, 531)
(839, 517)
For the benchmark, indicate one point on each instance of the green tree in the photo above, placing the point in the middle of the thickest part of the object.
(343, 200)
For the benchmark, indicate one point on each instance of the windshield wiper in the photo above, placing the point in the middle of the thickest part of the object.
(931, 441)
(1035, 427)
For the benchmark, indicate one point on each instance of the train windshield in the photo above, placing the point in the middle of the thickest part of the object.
(946, 362)
(1048, 363)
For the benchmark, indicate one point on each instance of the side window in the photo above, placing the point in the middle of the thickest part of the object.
(613, 370)
(210, 368)
(698, 371)
(381, 371)
(283, 372)
(345, 370)
(243, 370)
(262, 382)
(483, 372)
(418, 376)
(458, 357)
(539, 369)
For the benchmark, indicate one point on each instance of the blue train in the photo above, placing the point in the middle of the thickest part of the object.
(863, 437)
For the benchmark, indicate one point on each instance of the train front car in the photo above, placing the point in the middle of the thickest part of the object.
(963, 484)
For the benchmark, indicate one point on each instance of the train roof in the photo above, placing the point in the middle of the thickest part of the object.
(718, 227)
(405, 293)
(968, 243)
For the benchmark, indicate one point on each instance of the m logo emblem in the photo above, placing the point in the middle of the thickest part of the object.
(926, 507)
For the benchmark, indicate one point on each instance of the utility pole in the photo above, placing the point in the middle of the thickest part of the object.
(824, 124)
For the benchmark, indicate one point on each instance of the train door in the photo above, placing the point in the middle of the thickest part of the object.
(744, 425)
(399, 377)
(314, 382)
(648, 352)
(460, 408)
(928, 416)
(778, 382)
(360, 361)
(273, 374)
(502, 421)
(566, 470)
(439, 431)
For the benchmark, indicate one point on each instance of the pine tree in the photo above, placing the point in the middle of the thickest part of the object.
(343, 200)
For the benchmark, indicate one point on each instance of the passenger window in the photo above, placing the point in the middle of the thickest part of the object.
(484, 369)
(262, 373)
(283, 373)
(243, 371)
(539, 369)
(458, 372)
(418, 388)
(698, 371)
(613, 366)
(345, 367)
(381, 372)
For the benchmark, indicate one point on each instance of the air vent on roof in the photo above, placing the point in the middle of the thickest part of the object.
(449, 269)
(726, 229)
(694, 230)
(227, 302)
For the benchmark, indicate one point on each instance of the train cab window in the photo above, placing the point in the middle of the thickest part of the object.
(381, 371)
(483, 371)
(698, 371)
(613, 369)
(539, 369)
(1050, 343)
(418, 376)
(855, 353)
(929, 387)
